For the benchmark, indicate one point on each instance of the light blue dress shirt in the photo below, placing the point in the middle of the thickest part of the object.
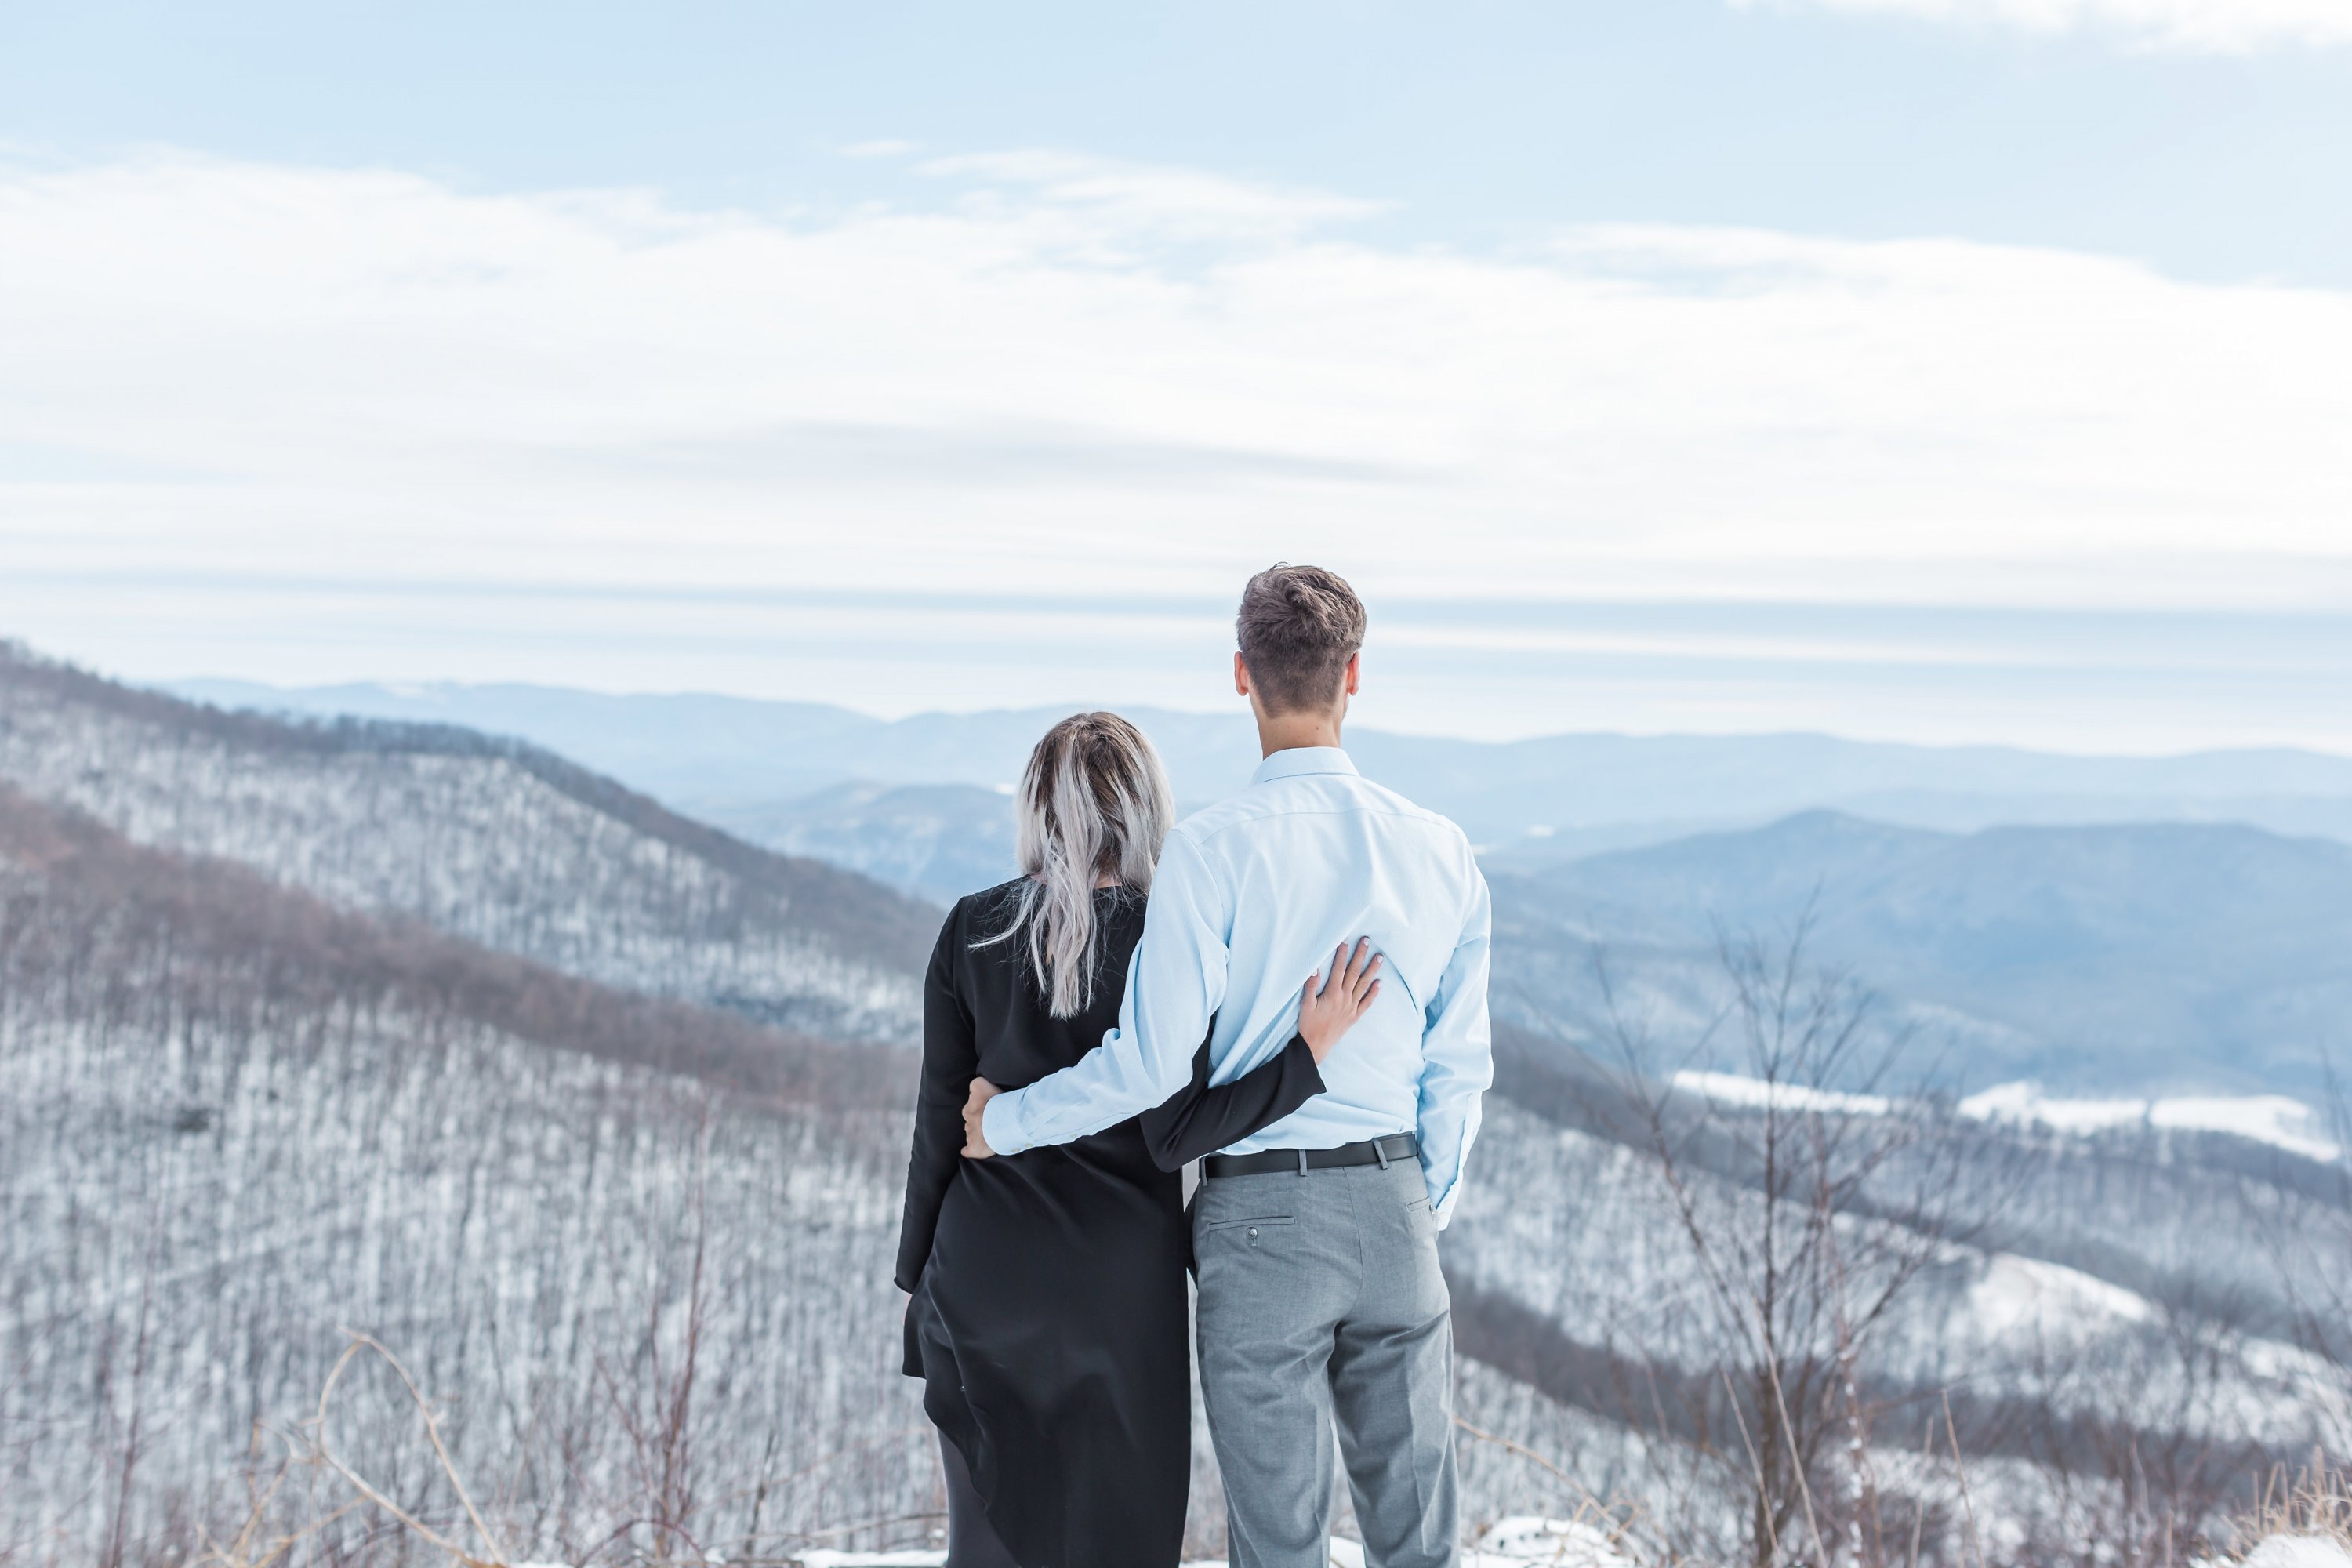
(1250, 897)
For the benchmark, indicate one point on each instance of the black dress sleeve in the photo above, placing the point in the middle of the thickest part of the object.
(1198, 1119)
(950, 1060)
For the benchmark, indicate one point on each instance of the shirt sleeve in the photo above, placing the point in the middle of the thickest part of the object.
(1175, 982)
(1202, 1118)
(950, 1058)
(1457, 1055)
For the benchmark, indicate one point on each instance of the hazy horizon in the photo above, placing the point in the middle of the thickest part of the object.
(200, 685)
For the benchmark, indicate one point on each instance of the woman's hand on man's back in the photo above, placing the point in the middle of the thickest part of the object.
(1333, 1001)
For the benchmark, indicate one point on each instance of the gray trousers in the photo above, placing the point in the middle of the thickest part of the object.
(1321, 1303)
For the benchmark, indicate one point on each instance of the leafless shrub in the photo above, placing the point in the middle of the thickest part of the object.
(1851, 1174)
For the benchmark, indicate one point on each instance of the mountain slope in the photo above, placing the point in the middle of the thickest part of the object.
(494, 840)
(239, 1121)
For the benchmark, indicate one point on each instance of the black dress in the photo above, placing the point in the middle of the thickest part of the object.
(1048, 1318)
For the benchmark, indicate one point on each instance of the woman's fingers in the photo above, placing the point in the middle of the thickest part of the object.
(1330, 1002)
(1362, 966)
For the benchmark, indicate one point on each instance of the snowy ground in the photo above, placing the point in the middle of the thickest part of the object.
(1516, 1543)
(1510, 1543)
(2300, 1551)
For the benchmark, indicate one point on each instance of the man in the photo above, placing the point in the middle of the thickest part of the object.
(1321, 1299)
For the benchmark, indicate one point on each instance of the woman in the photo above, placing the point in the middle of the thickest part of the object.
(1047, 1317)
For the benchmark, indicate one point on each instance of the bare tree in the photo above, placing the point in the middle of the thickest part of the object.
(1809, 1197)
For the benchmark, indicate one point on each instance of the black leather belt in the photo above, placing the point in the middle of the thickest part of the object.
(1299, 1161)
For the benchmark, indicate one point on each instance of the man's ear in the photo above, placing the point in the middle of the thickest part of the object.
(1240, 676)
(1355, 670)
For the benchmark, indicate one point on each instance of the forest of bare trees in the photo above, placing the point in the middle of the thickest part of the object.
(241, 1126)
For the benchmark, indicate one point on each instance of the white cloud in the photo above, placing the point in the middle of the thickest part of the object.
(1113, 197)
(1083, 377)
(2226, 27)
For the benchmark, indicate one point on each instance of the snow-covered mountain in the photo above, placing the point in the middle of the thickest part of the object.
(239, 1123)
(491, 840)
(417, 1031)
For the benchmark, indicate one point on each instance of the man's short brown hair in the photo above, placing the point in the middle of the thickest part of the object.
(1298, 627)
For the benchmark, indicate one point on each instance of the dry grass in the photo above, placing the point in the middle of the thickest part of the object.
(1618, 1523)
(652, 1535)
(2314, 1501)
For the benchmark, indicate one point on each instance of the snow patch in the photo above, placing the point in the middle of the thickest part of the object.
(2300, 1551)
(1730, 1088)
(2272, 1119)
(2024, 1294)
(1560, 1541)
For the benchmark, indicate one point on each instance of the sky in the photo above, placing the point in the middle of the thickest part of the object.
(1930, 370)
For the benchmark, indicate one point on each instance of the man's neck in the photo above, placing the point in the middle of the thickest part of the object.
(1289, 732)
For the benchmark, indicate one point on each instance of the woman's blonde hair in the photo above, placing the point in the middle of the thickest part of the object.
(1094, 803)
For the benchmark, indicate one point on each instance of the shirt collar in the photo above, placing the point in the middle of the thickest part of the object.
(1294, 761)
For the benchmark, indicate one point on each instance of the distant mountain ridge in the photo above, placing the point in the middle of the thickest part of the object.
(1549, 797)
(2160, 956)
(936, 841)
(495, 840)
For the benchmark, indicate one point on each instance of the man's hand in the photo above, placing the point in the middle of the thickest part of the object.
(975, 1144)
(1329, 1007)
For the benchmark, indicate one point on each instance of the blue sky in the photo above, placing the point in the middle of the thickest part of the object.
(1932, 369)
(1485, 124)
